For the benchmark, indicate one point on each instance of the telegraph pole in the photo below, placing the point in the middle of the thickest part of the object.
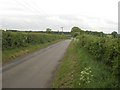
(62, 29)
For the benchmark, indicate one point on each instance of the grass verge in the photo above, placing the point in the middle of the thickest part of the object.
(80, 70)
(10, 54)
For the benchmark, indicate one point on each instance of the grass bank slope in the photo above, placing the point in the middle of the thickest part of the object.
(79, 69)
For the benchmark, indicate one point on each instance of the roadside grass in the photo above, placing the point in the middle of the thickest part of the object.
(80, 70)
(10, 54)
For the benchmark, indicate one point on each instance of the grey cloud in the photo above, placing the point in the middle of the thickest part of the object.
(37, 22)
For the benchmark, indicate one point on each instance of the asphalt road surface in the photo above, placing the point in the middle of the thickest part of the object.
(36, 70)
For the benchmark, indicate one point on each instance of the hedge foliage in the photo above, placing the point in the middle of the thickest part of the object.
(23, 39)
(103, 49)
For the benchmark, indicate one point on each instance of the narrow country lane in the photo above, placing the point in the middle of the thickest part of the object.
(35, 70)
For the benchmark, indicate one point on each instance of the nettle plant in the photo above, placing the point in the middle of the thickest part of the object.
(85, 76)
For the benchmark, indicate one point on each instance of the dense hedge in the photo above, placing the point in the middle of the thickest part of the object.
(103, 49)
(22, 39)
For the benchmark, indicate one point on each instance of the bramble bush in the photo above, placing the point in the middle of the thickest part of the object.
(104, 49)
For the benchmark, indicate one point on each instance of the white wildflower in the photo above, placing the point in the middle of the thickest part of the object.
(88, 82)
(82, 72)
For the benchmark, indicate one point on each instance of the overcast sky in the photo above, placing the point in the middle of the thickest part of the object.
(94, 15)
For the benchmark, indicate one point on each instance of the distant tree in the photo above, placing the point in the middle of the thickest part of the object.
(114, 34)
(48, 30)
(75, 31)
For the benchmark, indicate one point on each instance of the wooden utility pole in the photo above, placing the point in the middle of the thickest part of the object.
(62, 29)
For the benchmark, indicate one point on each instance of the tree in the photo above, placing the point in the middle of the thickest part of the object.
(48, 30)
(75, 31)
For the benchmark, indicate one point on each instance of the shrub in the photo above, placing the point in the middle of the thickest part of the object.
(103, 49)
(22, 39)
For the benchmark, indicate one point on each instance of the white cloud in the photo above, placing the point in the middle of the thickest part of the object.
(101, 15)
